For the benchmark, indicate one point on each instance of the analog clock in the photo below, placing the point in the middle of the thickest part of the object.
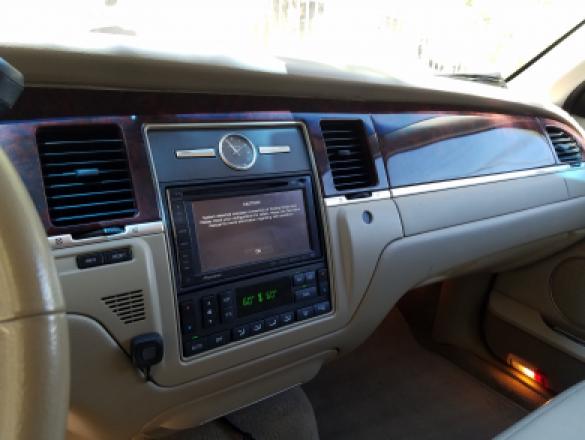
(237, 151)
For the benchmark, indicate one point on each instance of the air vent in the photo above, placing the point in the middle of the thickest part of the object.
(129, 306)
(349, 155)
(86, 175)
(566, 147)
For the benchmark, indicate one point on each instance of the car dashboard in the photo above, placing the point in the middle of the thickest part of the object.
(261, 237)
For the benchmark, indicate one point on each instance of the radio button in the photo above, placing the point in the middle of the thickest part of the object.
(228, 314)
(241, 332)
(187, 315)
(186, 279)
(323, 282)
(226, 299)
(89, 260)
(118, 256)
(310, 277)
(184, 244)
(298, 279)
(209, 302)
(303, 294)
(287, 318)
(193, 347)
(186, 268)
(181, 232)
(305, 313)
(256, 327)
(209, 322)
(271, 323)
(176, 196)
(218, 339)
(322, 307)
(185, 257)
(187, 327)
(209, 310)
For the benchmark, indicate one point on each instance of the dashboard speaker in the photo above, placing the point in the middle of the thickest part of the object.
(568, 289)
(128, 306)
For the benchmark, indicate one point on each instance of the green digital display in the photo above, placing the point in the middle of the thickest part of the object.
(260, 297)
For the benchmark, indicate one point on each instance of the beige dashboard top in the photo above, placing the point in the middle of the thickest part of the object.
(140, 69)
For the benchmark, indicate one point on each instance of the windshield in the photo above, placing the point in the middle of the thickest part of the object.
(446, 36)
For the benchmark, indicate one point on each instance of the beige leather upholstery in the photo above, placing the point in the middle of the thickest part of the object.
(561, 418)
(34, 344)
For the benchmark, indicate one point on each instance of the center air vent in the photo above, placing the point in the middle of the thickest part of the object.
(567, 149)
(349, 155)
(86, 175)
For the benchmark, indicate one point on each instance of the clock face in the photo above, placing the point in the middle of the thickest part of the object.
(237, 151)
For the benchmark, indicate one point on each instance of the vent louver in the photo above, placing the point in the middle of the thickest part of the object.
(129, 306)
(86, 174)
(567, 149)
(349, 156)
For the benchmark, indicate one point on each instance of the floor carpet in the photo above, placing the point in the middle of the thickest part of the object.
(393, 388)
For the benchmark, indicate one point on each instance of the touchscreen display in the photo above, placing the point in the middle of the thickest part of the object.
(235, 231)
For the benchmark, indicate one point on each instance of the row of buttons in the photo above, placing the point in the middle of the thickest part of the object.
(197, 345)
(220, 308)
(86, 261)
(212, 313)
(306, 286)
(182, 238)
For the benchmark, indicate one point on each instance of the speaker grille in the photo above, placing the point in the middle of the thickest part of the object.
(128, 306)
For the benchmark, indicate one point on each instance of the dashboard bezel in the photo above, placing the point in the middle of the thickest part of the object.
(216, 190)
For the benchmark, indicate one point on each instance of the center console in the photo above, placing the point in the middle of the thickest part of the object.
(247, 242)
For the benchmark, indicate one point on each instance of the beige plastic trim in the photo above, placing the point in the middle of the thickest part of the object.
(530, 286)
(105, 385)
(34, 345)
(141, 69)
(355, 249)
(530, 321)
(374, 259)
(440, 209)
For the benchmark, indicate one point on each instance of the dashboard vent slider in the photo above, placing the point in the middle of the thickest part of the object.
(349, 155)
(566, 147)
(85, 173)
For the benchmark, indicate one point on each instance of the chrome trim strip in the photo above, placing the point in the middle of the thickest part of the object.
(275, 149)
(472, 181)
(201, 152)
(67, 241)
(343, 200)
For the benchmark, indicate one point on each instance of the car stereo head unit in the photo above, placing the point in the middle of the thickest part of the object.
(230, 230)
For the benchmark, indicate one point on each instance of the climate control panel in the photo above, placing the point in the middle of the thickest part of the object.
(231, 313)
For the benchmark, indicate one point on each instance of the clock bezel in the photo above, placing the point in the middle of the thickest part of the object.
(230, 163)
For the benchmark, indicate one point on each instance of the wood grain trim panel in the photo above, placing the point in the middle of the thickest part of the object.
(18, 140)
(425, 147)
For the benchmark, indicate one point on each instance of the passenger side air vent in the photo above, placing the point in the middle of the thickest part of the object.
(567, 149)
(86, 174)
(129, 306)
(349, 156)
